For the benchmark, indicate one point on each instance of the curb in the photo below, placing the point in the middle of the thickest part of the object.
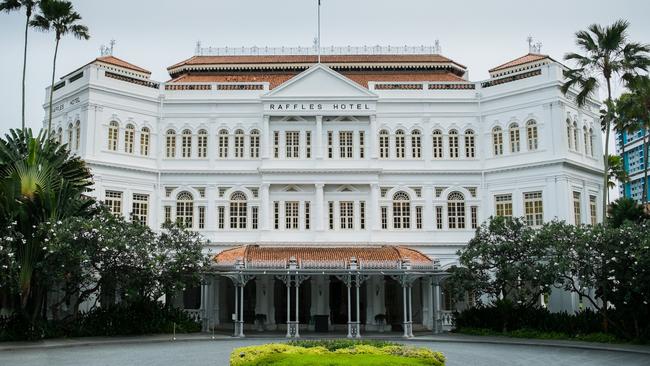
(221, 338)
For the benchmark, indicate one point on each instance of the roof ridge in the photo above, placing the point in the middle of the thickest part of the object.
(515, 60)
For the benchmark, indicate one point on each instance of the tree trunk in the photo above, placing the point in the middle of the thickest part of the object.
(29, 13)
(56, 51)
(606, 157)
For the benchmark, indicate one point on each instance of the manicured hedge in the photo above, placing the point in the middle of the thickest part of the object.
(144, 317)
(335, 353)
(511, 320)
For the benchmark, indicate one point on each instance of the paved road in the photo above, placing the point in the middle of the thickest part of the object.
(216, 353)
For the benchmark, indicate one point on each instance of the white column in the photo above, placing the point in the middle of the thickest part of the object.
(266, 137)
(358, 317)
(282, 224)
(374, 210)
(288, 306)
(372, 139)
(319, 138)
(404, 295)
(319, 209)
(436, 307)
(236, 318)
(410, 311)
(349, 311)
(265, 210)
(428, 214)
(241, 312)
(297, 307)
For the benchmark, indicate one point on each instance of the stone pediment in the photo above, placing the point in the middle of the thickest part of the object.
(320, 82)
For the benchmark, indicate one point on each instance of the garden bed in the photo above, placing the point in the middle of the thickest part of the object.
(335, 353)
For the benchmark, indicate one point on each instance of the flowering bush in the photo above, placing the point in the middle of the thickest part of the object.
(335, 352)
(602, 264)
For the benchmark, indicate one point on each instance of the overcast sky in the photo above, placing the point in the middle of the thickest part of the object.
(155, 34)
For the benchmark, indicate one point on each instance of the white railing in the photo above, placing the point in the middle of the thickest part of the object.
(313, 50)
(195, 314)
(446, 318)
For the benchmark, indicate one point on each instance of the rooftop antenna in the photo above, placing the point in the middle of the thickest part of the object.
(112, 44)
(318, 45)
(436, 46)
(198, 48)
(530, 44)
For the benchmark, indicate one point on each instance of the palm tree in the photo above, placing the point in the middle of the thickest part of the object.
(59, 16)
(616, 171)
(16, 5)
(625, 209)
(607, 54)
(40, 181)
(634, 107)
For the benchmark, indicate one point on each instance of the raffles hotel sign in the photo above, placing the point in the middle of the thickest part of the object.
(321, 107)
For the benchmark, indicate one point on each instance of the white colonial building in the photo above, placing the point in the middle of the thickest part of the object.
(354, 180)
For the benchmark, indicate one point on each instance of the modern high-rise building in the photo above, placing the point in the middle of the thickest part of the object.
(629, 145)
(336, 194)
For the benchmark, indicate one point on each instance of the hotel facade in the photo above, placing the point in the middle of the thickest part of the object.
(334, 195)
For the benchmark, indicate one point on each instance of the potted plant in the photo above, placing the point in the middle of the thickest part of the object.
(380, 321)
(260, 319)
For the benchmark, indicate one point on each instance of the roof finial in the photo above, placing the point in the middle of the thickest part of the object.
(534, 47)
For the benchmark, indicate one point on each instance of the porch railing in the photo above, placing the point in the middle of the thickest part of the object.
(195, 314)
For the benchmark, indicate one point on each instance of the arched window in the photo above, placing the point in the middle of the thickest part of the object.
(531, 135)
(453, 144)
(185, 209)
(585, 135)
(170, 144)
(456, 210)
(399, 144)
(129, 133)
(515, 145)
(239, 143)
(70, 135)
(202, 144)
(416, 144)
(238, 211)
(113, 129)
(223, 144)
(383, 145)
(255, 144)
(576, 138)
(59, 135)
(186, 143)
(470, 144)
(569, 134)
(437, 144)
(144, 141)
(401, 211)
(591, 141)
(77, 141)
(497, 141)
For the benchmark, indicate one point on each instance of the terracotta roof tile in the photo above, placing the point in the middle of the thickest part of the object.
(121, 63)
(280, 59)
(269, 254)
(531, 57)
(275, 79)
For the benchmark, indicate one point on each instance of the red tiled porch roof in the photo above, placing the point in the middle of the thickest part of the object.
(255, 254)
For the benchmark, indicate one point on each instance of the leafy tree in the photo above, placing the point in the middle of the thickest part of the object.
(17, 5)
(617, 171)
(58, 16)
(89, 257)
(505, 262)
(624, 210)
(40, 183)
(607, 54)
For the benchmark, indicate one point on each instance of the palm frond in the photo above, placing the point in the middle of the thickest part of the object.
(10, 5)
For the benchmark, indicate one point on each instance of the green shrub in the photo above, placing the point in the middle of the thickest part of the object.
(142, 317)
(335, 352)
